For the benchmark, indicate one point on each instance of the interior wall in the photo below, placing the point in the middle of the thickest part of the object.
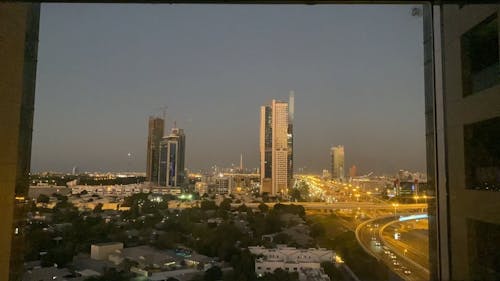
(18, 25)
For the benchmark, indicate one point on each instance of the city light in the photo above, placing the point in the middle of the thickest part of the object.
(413, 217)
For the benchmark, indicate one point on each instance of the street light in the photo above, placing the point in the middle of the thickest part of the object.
(395, 205)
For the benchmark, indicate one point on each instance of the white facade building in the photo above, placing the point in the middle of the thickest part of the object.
(306, 262)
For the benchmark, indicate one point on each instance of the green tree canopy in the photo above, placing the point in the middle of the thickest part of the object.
(42, 198)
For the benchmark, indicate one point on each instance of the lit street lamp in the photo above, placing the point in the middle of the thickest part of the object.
(395, 205)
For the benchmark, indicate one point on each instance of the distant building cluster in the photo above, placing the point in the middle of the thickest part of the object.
(407, 183)
(227, 183)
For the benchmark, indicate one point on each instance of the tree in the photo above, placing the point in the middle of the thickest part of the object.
(243, 264)
(265, 196)
(226, 204)
(213, 274)
(111, 275)
(330, 269)
(42, 198)
(282, 238)
(242, 208)
(317, 230)
(208, 205)
(295, 195)
(98, 208)
(263, 208)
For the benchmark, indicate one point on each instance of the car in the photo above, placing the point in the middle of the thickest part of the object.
(387, 252)
(395, 263)
(407, 271)
(393, 257)
(377, 243)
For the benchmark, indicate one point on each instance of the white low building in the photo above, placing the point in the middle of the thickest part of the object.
(303, 261)
(101, 251)
(111, 190)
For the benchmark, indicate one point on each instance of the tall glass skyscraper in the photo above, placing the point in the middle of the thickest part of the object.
(337, 165)
(276, 147)
(172, 155)
(155, 134)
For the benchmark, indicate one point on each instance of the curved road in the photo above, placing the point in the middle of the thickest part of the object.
(370, 233)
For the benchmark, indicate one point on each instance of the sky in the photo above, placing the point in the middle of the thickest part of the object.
(357, 73)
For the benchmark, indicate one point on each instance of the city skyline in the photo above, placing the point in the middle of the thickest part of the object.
(381, 91)
(215, 89)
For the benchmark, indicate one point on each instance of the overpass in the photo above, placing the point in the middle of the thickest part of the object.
(341, 205)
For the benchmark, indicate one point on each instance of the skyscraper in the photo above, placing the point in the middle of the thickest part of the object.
(171, 162)
(337, 156)
(155, 133)
(276, 147)
(353, 171)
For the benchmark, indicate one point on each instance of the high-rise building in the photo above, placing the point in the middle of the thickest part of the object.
(171, 162)
(465, 225)
(155, 134)
(241, 163)
(337, 165)
(353, 171)
(276, 147)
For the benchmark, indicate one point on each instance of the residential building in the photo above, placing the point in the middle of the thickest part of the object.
(101, 251)
(223, 184)
(276, 147)
(467, 219)
(291, 259)
(155, 134)
(49, 274)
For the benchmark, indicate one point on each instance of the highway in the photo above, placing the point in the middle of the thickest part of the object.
(413, 241)
(406, 256)
(373, 236)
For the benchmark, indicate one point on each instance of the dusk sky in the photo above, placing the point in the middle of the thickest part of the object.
(357, 73)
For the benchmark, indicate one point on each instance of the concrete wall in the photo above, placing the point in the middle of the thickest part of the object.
(18, 25)
(463, 203)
